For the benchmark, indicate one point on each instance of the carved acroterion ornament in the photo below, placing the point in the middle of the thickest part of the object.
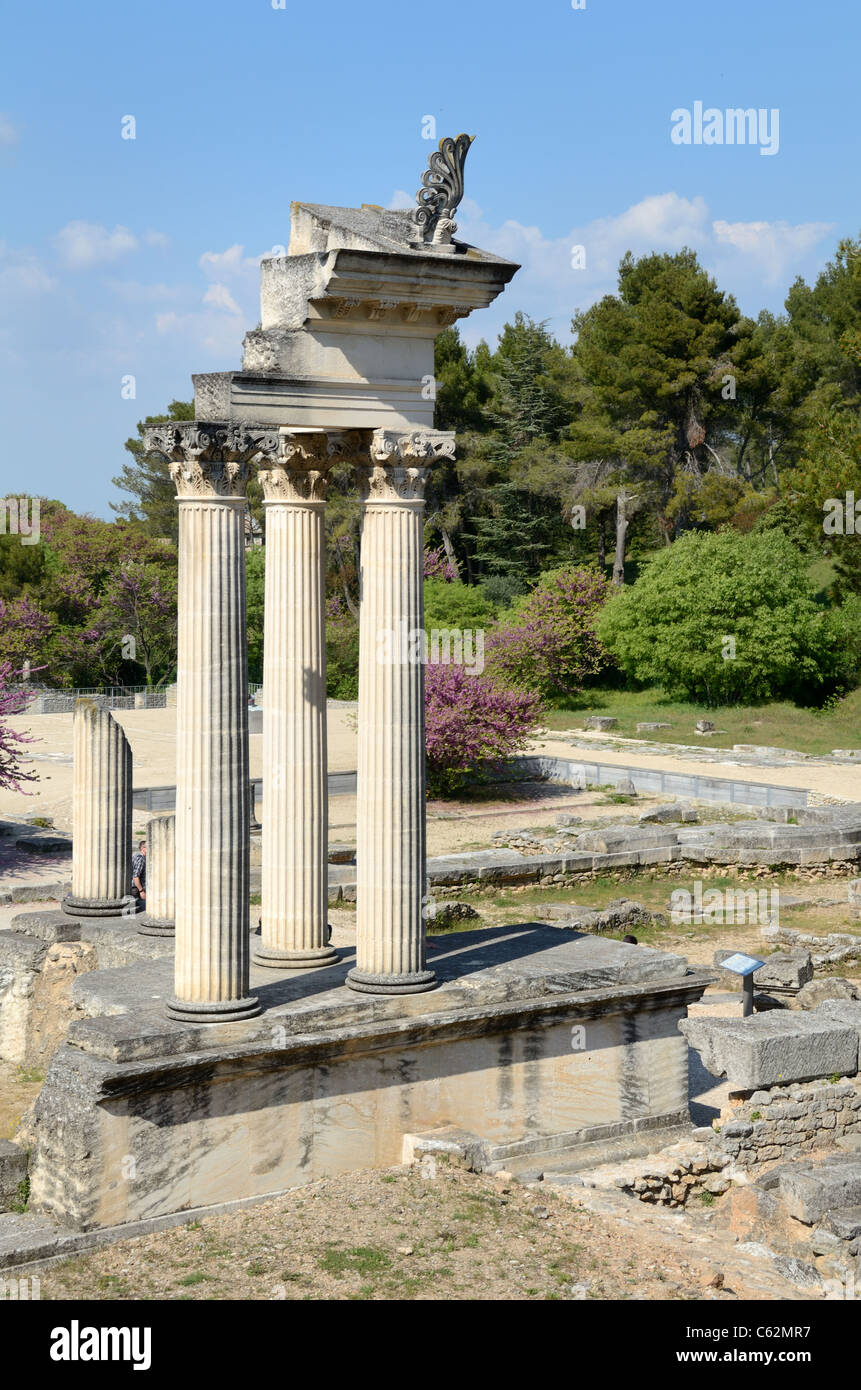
(442, 190)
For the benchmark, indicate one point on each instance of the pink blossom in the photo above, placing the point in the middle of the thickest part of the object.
(472, 725)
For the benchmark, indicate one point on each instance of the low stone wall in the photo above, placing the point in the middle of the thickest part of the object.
(788, 1121)
(672, 1177)
(654, 781)
(42, 961)
(63, 701)
(811, 851)
(36, 979)
(824, 950)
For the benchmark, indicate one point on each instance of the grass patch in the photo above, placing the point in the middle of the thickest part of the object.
(112, 1284)
(29, 1076)
(197, 1278)
(22, 1197)
(362, 1260)
(778, 724)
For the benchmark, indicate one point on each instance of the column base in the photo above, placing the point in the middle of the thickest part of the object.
(97, 907)
(272, 959)
(223, 1011)
(156, 926)
(415, 983)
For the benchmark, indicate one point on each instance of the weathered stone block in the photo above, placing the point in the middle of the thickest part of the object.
(665, 815)
(846, 1011)
(817, 992)
(772, 1047)
(47, 926)
(845, 1222)
(809, 1193)
(330, 1082)
(785, 971)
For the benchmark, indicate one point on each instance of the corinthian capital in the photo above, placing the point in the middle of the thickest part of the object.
(391, 483)
(210, 460)
(414, 446)
(394, 463)
(300, 471)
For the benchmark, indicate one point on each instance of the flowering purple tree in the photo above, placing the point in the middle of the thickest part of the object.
(438, 566)
(472, 725)
(12, 774)
(139, 603)
(25, 632)
(549, 643)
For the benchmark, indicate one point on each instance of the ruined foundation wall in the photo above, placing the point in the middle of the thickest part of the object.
(788, 1121)
(116, 1142)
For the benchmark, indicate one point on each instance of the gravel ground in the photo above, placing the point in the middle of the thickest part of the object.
(398, 1234)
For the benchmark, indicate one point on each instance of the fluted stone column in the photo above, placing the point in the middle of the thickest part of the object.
(390, 812)
(102, 815)
(294, 929)
(209, 465)
(160, 916)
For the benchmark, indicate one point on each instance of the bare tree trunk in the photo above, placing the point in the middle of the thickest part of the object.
(449, 551)
(602, 543)
(622, 499)
(342, 570)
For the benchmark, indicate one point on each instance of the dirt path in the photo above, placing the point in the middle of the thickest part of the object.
(18, 1090)
(830, 780)
(152, 734)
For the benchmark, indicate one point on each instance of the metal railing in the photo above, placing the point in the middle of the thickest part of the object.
(44, 700)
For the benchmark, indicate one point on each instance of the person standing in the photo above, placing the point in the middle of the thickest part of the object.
(139, 873)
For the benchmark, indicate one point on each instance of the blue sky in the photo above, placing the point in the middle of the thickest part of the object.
(139, 257)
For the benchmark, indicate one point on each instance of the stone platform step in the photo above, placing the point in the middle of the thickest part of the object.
(561, 1165)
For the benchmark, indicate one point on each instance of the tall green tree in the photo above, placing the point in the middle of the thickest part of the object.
(825, 319)
(515, 478)
(152, 500)
(649, 364)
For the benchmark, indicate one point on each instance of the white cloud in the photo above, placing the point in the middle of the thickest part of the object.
(135, 292)
(156, 239)
(743, 256)
(21, 272)
(84, 244)
(208, 331)
(220, 297)
(774, 246)
(400, 201)
(219, 265)
(8, 132)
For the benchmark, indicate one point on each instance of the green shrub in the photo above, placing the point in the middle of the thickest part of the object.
(672, 626)
(456, 605)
